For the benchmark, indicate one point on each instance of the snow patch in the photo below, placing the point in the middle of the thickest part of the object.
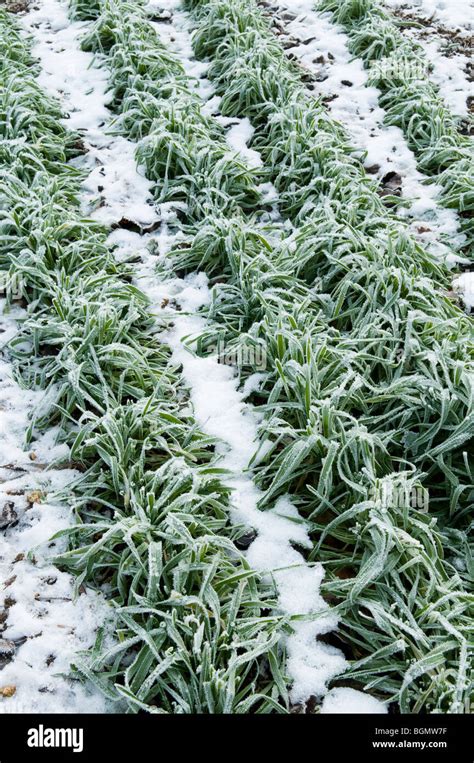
(450, 76)
(344, 700)
(452, 14)
(464, 285)
(238, 136)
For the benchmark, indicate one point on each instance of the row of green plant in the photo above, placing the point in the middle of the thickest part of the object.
(369, 390)
(398, 67)
(194, 629)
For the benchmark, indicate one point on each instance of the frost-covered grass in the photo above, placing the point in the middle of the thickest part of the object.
(374, 426)
(411, 101)
(322, 48)
(351, 395)
(366, 399)
(153, 529)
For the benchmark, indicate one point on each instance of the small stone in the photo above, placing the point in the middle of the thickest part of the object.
(7, 691)
(35, 496)
(8, 515)
(391, 185)
(246, 540)
(392, 181)
(7, 647)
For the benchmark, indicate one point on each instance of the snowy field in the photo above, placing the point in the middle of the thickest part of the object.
(236, 380)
